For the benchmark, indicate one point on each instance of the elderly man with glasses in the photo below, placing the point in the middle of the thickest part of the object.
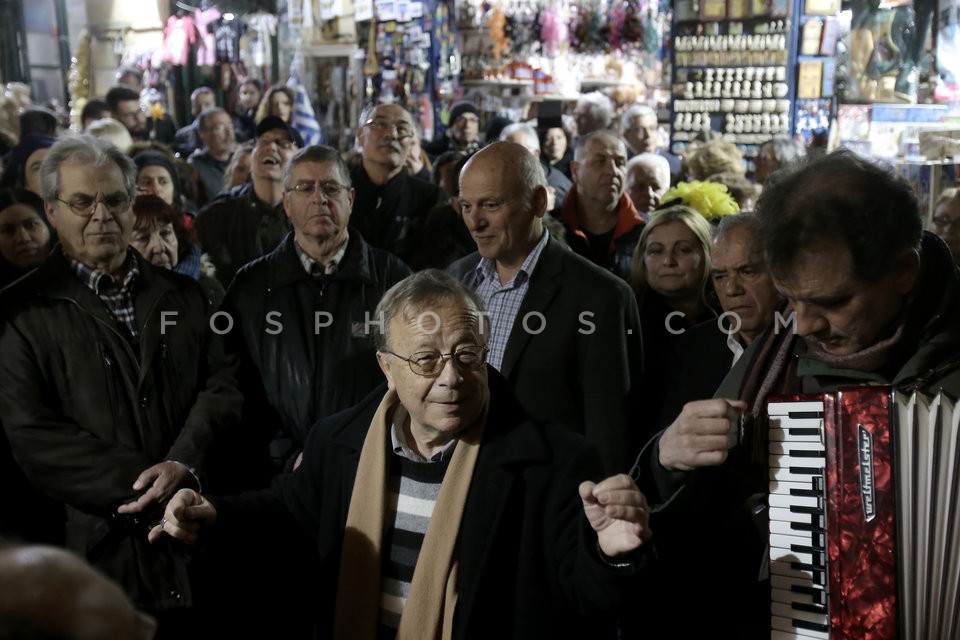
(389, 203)
(112, 386)
(438, 507)
(299, 312)
(249, 222)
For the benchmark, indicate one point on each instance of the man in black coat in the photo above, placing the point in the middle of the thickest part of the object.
(112, 387)
(439, 507)
(389, 202)
(301, 312)
(566, 333)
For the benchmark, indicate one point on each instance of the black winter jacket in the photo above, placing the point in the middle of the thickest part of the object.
(306, 346)
(85, 414)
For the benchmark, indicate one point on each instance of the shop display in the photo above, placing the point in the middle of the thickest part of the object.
(732, 76)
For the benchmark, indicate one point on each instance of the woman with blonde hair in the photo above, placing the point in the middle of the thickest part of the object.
(277, 101)
(670, 275)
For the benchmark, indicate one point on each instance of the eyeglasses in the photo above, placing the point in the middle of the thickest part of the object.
(328, 189)
(429, 364)
(404, 130)
(85, 206)
(280, 142)
(946, 222)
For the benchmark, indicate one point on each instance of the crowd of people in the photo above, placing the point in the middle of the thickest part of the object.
(500, 385)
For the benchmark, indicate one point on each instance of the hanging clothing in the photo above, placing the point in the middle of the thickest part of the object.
(207, 53)
(180, 33)
(263, 26)
(227, 34)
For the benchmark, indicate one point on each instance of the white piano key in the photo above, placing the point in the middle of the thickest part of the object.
(793, 540)
(786, 515)
(798, 586)
(780, 623)
(776, 634)
(815, 537)
(787, 501)
(802, 465)
(788, 474)
(791, 488)
(793, 408)
(791, 447)
(786, 611)
(799, 430)
(811, 558)
(801, 600)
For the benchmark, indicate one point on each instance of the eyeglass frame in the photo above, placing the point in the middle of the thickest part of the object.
(444, 357)
(323, 186)
(88, 213)
(281, 144)
(382, 124)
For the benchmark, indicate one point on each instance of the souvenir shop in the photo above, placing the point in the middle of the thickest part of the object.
(880, 78)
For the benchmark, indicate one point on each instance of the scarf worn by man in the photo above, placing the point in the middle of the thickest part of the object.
(431, 602)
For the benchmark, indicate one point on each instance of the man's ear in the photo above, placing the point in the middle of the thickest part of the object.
(385, 367)
(48, 210)
(906, 270)
(539, 202)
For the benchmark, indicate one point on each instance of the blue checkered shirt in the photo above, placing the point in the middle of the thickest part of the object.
(118, 297)
(503, 301)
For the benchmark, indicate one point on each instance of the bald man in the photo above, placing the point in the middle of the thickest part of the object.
(47, 592)
(565, 333)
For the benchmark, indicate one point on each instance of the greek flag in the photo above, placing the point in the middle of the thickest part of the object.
(304, 120)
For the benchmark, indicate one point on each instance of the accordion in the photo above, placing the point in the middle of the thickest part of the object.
(864, 518)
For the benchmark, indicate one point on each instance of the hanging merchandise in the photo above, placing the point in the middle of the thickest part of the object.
(179, 35)
(79, 80)
(226, 31)
(263, 27)
(948, 53)
(207, 52)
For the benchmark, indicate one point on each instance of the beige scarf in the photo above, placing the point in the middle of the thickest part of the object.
(431, 602)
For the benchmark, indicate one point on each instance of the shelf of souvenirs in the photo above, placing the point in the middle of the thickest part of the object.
(496, 82)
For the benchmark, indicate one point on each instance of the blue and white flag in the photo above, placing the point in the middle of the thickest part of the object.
(304, 120)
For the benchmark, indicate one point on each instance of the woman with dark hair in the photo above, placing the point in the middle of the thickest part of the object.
(162, 239)
(25, 237)
(277, 101)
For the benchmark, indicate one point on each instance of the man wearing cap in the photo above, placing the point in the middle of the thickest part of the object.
(389, 201)
(463, 131)
(237, 229)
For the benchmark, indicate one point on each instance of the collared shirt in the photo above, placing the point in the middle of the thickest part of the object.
(313, 267)
(118, 297)
(503, 301)
(401, 449)
(734, 345)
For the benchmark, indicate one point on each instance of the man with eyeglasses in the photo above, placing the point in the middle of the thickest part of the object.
(112, 386)
(946, 221)
(249, 221)
(389, 202)
(215, 129)
(566, 334)
(299, 310)
(438, 507)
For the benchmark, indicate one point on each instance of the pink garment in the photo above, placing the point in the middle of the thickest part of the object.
(207, 53)
(179, 34)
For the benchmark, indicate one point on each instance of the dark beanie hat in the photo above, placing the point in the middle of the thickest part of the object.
(25, 148)
(151, 158)
(275, 122)
(460, 108)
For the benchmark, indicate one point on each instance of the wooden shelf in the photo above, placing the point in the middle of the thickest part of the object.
(496, 83)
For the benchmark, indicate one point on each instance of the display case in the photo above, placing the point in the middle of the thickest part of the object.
(732, 62)
(744, 69)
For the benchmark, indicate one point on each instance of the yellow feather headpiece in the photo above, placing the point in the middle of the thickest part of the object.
(710, 199)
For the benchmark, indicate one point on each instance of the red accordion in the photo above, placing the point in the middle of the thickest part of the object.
(864, 518)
